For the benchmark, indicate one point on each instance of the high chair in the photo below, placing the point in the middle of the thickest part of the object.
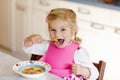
(35, 57)
(100, 65)
(101, 68)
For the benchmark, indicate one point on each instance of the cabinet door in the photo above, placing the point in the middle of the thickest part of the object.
(115, 18)
(45, 5)
(22, 28)
(6, 24)
(39, 24)
(94, 14)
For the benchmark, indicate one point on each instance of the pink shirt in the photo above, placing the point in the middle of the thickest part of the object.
(61, 59)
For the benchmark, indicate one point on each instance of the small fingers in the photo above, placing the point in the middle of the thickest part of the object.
(75, 69)
(28, 43)
(34, 38)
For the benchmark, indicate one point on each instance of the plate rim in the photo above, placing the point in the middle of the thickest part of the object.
(16, 65)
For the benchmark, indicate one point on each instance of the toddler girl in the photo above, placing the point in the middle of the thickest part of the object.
(63, 52)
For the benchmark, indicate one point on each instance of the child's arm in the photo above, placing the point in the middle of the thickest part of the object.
(84, 66)
(34, 44)
(32, 39)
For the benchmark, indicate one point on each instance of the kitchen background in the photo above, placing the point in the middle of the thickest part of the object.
(98, 21)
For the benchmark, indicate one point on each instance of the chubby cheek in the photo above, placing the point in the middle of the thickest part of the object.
(68, 38)
(68, 35)
(51, 36)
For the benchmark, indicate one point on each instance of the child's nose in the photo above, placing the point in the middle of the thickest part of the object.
(57, 34)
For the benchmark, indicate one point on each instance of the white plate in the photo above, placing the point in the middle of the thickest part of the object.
(18, 67)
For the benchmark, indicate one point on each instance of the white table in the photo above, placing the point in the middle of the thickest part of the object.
(6, 72)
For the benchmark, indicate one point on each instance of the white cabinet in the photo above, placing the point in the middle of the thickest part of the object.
(15, 23)
(39, 24)
(22, 27)
(115, 18)
(6, 24)
(94, 14)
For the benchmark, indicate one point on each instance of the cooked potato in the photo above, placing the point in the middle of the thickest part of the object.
(32, 71)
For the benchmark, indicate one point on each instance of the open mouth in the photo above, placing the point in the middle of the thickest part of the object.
(58, 41)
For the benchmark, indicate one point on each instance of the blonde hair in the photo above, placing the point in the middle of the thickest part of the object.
(67, 15)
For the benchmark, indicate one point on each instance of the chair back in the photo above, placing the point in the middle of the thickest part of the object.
(35, 57)
(101, 68)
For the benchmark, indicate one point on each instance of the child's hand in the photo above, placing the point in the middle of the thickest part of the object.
(77, 69)
(80, 70)
(34, 38)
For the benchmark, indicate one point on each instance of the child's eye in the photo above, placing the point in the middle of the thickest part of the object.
(63, 29)
(52, 30)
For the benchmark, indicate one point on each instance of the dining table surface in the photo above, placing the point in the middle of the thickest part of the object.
(6, 72)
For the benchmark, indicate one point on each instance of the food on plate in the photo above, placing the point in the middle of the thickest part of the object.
(32, 71)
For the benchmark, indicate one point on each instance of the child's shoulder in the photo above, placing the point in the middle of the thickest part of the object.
(83, 51)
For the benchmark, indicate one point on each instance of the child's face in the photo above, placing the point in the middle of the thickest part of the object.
(59, 29)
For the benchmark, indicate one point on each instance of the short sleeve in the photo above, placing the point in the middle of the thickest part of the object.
(39, 48)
